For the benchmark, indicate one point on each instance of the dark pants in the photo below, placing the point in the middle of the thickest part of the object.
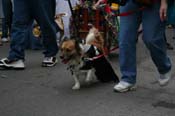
(25, 11)
(7, 20)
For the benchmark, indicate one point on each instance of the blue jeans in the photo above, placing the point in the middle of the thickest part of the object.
(7, 20)
(25, 11)
(153, 37)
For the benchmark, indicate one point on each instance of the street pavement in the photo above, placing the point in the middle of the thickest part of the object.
(38, 91)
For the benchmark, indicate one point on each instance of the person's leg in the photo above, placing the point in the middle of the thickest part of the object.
(4, 29)
(21, 22)
(44, 12)
(7, 10)
(153, 37)
(127, 45)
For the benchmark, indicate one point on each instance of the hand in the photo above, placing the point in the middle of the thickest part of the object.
(97, 4)
(163, 10)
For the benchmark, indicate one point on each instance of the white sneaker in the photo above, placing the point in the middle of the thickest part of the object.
(16, 64)
(49, 61)
(164, 78)
(123, 86)
(4, 39)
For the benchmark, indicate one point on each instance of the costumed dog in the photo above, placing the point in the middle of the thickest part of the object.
(84, 58)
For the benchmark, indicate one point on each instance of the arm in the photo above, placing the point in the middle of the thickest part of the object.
(98, 3)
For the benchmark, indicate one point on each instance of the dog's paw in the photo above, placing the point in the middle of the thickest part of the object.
(76, 87)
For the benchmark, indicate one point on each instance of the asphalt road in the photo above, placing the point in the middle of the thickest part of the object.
(38, 91)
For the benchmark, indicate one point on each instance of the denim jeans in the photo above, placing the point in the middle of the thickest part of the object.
(7, 20)
(25, 11)
(153, 37)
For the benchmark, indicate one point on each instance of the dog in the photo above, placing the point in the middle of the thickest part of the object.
(84, 58)
(72, 55)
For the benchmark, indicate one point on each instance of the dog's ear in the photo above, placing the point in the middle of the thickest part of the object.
(77, 46)
(63, 40)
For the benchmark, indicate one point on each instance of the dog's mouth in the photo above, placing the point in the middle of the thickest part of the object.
(65, 60)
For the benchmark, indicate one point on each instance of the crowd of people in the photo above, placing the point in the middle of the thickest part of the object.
(154, 18)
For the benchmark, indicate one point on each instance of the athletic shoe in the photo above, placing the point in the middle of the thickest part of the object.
(49, 61)
(164, 78)
(14, 64)
(123, 86)
(4, 39)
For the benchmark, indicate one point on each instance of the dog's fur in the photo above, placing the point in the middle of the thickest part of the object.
(73, 52)
(95, 38)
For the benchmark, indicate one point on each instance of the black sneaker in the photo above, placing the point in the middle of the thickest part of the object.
(49, 61)
(14, 64)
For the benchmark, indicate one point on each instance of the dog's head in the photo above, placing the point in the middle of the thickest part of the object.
(69, 49)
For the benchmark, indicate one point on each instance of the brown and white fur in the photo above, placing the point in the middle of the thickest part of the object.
(71, 54)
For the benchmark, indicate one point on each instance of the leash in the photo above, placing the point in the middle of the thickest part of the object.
(101, 55)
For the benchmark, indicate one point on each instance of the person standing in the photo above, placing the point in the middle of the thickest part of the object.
(153, 22)
(25, 11)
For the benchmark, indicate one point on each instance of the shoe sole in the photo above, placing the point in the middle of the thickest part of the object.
(2, 67)
(133, 88)
(10, 68)
(49, 65)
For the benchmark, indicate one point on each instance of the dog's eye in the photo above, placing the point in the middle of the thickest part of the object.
(68, 50)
